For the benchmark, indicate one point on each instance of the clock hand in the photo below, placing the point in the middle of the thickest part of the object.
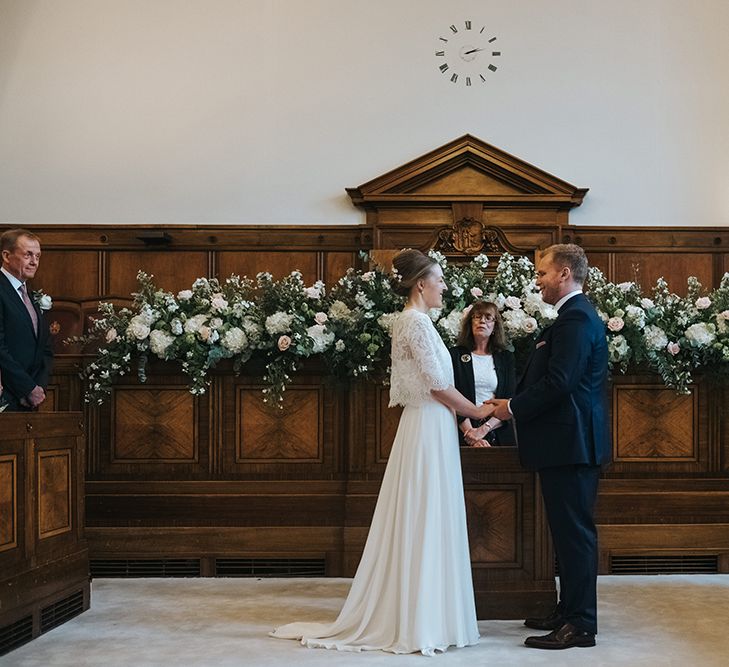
(465, 53)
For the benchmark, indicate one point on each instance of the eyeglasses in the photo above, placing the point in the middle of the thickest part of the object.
(486, 317)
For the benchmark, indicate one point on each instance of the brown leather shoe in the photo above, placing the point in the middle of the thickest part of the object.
(566, 637)
(552, 622)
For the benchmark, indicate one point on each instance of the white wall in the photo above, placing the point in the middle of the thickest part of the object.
(263, 111)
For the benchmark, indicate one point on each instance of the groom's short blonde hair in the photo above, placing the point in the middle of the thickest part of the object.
(571, 256)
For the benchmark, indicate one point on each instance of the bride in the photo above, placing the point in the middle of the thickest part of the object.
(413, 589)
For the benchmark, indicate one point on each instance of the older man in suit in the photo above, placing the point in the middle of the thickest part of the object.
(25, 345)
(560, 416)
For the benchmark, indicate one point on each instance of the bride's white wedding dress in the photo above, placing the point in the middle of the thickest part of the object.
(413, 589)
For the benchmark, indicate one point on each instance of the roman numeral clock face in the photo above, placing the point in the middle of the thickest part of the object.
(467, 54)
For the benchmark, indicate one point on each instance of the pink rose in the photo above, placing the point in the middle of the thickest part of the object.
(615, 324)
(111, 335)
(673, 348)
(320, 318)
(703, 302)
(724, 315)
(284, 342)
(476, 291)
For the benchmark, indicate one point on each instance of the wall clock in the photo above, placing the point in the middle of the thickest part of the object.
(467, 54)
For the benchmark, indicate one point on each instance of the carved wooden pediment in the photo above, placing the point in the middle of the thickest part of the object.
(469, 236)
(468, 169)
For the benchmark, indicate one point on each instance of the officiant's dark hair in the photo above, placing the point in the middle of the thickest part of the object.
(409, 266)
(571, 256)
(9, 238)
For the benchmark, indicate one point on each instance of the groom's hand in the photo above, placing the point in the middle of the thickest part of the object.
(501, 410)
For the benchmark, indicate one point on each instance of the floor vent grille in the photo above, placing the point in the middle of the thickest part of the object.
(159, 567)
(677, 564)
(270, 567)
(16, 634)
(59, 612)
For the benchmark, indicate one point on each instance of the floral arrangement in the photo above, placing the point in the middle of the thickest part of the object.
(284, 321)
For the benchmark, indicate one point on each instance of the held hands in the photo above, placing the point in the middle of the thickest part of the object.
(485, 410)
(475, 437)
(500, 408)
(36, 397)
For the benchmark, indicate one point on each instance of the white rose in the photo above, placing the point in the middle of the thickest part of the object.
(111, 335)
(194, 323)
(321, 318)
(529, 325)
(138, 329)
(204, 332)
(512, 302)
(647, 303)
(184, 295)
(45, 302)
(703, 302)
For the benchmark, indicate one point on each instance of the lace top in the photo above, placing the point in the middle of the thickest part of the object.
(420, 360)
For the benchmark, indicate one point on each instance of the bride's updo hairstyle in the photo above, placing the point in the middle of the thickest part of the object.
(409, 266)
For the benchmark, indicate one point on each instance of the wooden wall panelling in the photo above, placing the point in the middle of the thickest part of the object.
(654, 429)
(303, 439)
(645, 268)
(9, 505)
(279, 264)
(43, 555)
(336, 265)
(70, 274)
(173, 270)
(152, 430)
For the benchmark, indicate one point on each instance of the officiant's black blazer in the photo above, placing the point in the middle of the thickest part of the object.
(25, 360)
(506, 384)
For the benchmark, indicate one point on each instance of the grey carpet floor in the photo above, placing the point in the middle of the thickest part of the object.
(644, 621)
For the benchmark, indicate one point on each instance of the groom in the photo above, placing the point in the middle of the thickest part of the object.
(560, 417)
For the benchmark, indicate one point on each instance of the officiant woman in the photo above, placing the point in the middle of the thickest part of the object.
(483, 368)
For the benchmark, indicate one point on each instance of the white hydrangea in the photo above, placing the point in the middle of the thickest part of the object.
(655, 337)
(176, 327)
(234, 340)
(451, 324)
(635, 315)
(339, 346)
(387, 320)
(218, 304)
(700, 334)
(514, 320)
(339, 311)
(279, 323)
(159, 341)
(321, 337)
(250, 326)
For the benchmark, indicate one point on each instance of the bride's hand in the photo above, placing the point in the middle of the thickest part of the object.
(486, 410)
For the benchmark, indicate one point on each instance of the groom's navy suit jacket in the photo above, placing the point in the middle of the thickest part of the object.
(559, 407)
(25, 360)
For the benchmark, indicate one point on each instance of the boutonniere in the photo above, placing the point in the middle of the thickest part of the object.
(465, 358)
(43, 300)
